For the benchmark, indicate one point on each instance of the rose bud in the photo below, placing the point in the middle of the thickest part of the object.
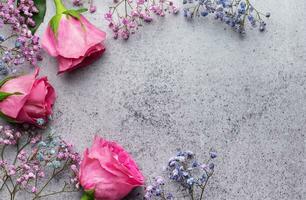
(26, 99)
(72, 39)
(108, 172)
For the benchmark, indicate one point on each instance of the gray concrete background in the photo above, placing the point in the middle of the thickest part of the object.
(196, 85)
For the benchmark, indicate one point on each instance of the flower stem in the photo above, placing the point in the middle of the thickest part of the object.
(55, 193)
(54, 174)
(41, 190)
(60, 8)
(2, 152)
(19, 150)
(203, 188)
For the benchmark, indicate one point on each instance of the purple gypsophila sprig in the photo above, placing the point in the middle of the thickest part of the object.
(235, 13)
(126, 16)
(35, 163)
(19, 45)
(92, 7)
(185, 170)
(157, 190)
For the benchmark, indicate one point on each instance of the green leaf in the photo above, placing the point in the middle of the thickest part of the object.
(82, 10)
(6, 80)
(54, 22)
(72, 13)
(88, 195)
(6, 118)
(39, 17)
(4, 95)
(75, 13)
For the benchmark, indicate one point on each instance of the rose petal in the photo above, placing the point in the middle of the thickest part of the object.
(116, 160)
(50, 97)
(68, 64)
(13, 104)
(39, 102)
(93, 34)
(109, 170)
(112, 190)
(71, 38)
(49, 42)
(92, 173)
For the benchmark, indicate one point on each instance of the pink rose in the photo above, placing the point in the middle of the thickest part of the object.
(109, 171)
(75, 42)
(31, 101)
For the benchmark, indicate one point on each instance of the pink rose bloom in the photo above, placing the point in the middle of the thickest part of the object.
(32, 104)
(109, 171)
(76, 43)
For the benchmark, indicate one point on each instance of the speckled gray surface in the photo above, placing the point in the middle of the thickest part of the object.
(196, 85)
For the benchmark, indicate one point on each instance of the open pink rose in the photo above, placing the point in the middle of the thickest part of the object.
(109, 171)
(75, 43)
(32, 104)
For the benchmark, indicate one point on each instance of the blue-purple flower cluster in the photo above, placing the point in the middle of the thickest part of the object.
(235, 13)
(156, 189)
(185, 170)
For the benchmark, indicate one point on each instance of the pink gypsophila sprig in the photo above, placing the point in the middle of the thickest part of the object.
(92, 7)
(126, 16)
(20, 45)
(36, 162)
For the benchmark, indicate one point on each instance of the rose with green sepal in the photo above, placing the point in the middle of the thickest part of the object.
(88, 195)
(109, 171)
(26, 99)
(72, 39)
(4, 95)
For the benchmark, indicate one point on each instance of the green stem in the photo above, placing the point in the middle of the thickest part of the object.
(192, 194)
(50, 179)
(54, 193)
(125, 8)
(163, 194)
(2, 152)
(8, 188)
(60, 8)
(202, 192)
(203, 188)
(54, 174)
(4, 179)
(20, 149)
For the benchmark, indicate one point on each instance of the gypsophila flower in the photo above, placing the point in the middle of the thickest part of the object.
(28, 170)
(235, 13)
(213, 154)
(34, 190)
(21, 45)
(8, 136)
(40, 121)
(77, 2)
(126, 16)
(157, 189)
(186, 171)
(92, 7)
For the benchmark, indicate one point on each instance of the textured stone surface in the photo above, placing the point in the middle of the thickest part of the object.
(196, 85)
